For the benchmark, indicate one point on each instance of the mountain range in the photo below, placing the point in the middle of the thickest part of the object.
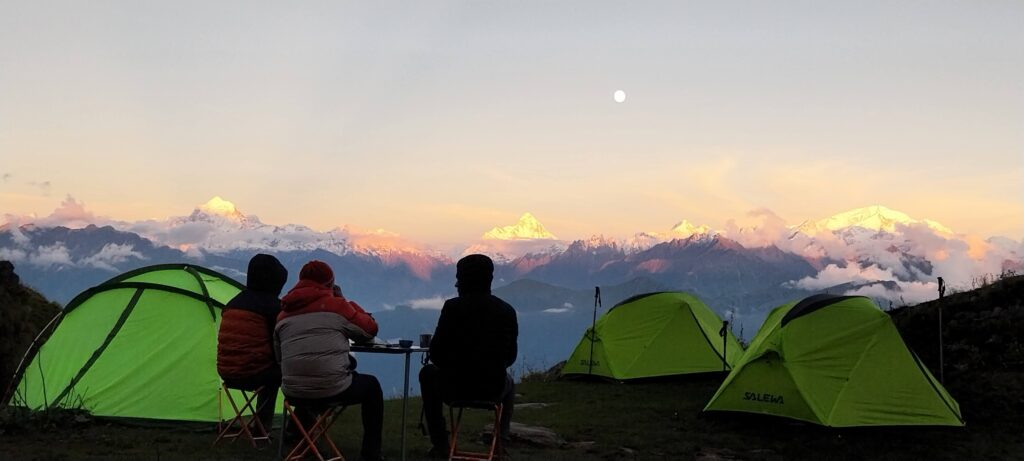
(740, 272)
(854, 247)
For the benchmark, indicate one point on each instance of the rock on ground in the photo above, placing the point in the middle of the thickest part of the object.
(533, 435)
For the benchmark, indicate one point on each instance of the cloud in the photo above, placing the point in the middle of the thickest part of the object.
(13, 254)
(833, 275)
(183, 235)
(761, 228)
(110, 255)
(230, 272)
(434, 303)
(566, 307)
(70, 213)
(52, 255)
(17, 235)
(908, 293)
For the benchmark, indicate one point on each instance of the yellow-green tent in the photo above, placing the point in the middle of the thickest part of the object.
(836, 361)
(655, 334)
(141, 345)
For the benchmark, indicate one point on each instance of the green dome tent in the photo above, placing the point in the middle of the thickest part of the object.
(656, 334)
(140, 345)
(836, 361)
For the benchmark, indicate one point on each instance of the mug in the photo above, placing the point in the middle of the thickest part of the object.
(425, 339)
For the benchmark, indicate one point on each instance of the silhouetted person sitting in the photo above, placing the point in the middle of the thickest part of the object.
(245, 352)
(474, 344)
(312, 340)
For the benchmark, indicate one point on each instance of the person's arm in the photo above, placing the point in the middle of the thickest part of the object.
(270, 316)
(364, 320)
(439, 343)
(360, 326)
(355, 313)
(277, 347)
(510, 339)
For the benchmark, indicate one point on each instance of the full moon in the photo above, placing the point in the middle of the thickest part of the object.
(620, 96)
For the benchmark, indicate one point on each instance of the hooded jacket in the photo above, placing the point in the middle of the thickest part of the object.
(246, 336)
(311, 340)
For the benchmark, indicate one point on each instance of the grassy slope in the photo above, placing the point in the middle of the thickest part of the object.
(656, 420)
(660, 420)
(983, 335)
(23, 313)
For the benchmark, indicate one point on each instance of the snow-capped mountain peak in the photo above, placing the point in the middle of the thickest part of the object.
(220, 207)
(685, 229)
(877, 218)
(528, 228)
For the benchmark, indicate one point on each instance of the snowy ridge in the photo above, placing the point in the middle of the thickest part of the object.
(877, 218)
(528, 228)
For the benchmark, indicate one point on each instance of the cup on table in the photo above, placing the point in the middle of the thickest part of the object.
(425, 339)
(404, 343)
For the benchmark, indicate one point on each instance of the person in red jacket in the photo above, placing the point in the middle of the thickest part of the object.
(245, 354)
(312, 340)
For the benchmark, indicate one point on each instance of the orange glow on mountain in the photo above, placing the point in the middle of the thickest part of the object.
(654, 266)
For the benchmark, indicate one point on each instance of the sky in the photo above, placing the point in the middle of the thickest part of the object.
(441, 120)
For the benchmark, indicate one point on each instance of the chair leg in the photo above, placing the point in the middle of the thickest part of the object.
(284, 427)
(456, 423)
(496, 433)
(304, 443)
(248, 399)
(254, 410)
(318, 430)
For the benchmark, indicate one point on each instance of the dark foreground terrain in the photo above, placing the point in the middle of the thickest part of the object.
(983, 368)
(656, 420)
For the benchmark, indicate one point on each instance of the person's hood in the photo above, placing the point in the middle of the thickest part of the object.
(473, 274)
(304, 293)
(473, 288)
(266, 274)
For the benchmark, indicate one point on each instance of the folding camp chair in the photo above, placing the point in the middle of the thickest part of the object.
(326, 415)
(251, 427)
(456, 421)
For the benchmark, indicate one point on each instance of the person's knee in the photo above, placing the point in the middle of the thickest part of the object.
(428, 372)
(373, 384)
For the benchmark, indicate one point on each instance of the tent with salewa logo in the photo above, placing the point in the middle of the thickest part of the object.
(140, 345)
(836, 361)
(655, 334)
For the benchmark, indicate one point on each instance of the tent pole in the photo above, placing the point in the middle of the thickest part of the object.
(593, 330)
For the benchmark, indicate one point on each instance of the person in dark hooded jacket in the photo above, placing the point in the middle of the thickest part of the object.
(245, 354)
(475, 342)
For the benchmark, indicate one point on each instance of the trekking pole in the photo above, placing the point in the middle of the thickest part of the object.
(942, 293)
(593, 329)
(724, 333)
